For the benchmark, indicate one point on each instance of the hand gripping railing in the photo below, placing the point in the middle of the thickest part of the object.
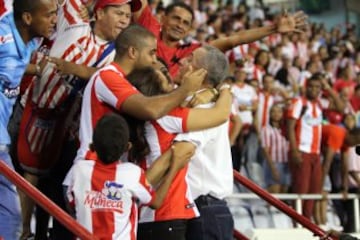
(45, 203)
(279, 205)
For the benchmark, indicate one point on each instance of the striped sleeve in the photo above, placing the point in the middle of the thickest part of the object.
(295, 109)
(143, 191)
(175, 121)
(113, 89)
(71, 13)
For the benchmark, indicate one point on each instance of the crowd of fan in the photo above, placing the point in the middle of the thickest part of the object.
(296, 100)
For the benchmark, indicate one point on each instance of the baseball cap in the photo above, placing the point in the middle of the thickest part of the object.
(135, 4)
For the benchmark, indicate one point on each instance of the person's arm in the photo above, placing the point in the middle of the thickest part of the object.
(286, 24)
(337, 104)
(203, 118)
(160, 166)
(236, 129)
(329, 156)
(177, 164)
(33, 69)
(149, 108)
(295, 153)
(137, 14)
(79, 70)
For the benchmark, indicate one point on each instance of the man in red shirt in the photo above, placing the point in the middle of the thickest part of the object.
(177, 22)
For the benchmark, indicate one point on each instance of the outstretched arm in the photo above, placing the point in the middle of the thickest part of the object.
(286, 23)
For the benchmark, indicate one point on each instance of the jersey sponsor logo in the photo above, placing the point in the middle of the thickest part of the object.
(9, 92)
(6, 39)
(109, 199)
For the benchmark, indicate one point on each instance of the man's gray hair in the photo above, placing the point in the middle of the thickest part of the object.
(216, 64)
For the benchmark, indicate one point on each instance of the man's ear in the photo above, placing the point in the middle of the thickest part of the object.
(129, 146)
(132, 52)
(99, 13)
(27, 18)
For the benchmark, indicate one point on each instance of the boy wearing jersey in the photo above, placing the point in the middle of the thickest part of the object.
(21, 23)
(105, 192)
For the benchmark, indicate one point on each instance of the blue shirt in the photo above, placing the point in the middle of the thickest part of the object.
(14, 58)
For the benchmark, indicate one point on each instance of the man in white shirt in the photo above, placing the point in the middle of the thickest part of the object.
(210, 170)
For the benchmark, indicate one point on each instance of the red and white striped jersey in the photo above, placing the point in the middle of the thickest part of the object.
(105, 197)
(266, 101)
(6, 7)
(308, 125)
(273, 139)
(178, 203)
(237, 53)
(75, 42)
(258, 74)
(106, 90)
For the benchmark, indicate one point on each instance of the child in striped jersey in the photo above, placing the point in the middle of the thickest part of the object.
(105, 192)
(275, 148)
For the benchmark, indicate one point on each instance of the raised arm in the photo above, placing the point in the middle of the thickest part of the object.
(149, 108)
(286, 23)
(337, 104)
(203, 118)
(137, 14)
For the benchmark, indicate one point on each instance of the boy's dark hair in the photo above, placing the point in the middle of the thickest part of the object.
(110, 138)
(171, 7)
(132, 36)
(21, 6)
(316, 77)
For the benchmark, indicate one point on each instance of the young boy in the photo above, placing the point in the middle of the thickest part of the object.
(105, 191)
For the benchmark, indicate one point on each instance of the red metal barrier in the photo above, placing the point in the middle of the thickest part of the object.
(239, 236)
(45, 203)
(280, 205)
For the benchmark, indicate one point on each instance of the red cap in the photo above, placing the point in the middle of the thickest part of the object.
(135, 4)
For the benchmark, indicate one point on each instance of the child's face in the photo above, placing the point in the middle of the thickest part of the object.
(276, 114)
(349, 121)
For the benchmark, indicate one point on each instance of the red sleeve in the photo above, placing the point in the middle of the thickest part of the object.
(114, 89)
(148, 21)
(182, 113)
(143, 181)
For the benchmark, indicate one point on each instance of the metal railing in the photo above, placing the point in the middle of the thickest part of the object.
(272, 200)
(299, 197)
(49, 206)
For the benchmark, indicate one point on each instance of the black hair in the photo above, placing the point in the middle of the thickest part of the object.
(22, 6)
(146, 81)
(172, 6)
(132, 36)
(316, 77)
(160, 59)
(110, 138)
